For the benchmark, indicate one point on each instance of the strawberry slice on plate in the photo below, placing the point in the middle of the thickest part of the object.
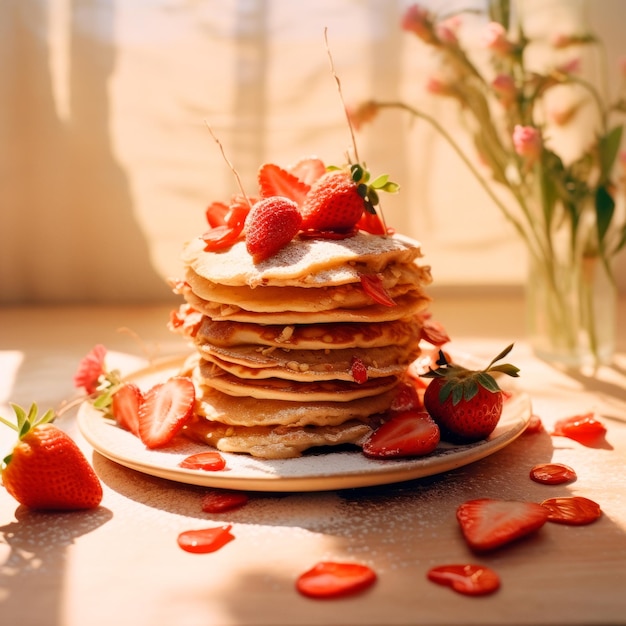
(165, 410)
(127, 401)
(487, 523)
(412, 433)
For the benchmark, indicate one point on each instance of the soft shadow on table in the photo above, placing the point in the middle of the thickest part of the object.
(37, 546)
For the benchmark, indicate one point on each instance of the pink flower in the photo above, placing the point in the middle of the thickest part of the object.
(438, 87)
(417, 21)
(90, 369)
(495, 39)
(504, 86)
(447, 30)
(527, 142)
(570, 67)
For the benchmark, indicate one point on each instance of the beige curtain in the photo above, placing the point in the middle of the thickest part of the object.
(106, 162)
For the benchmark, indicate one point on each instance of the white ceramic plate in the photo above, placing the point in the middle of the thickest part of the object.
(311, 472)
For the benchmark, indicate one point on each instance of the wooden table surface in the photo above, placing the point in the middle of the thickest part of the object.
(120, 564)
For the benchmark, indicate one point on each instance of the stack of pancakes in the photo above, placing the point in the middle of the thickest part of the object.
(279, 341)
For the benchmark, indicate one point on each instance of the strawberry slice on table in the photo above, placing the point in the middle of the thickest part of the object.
(328, 579)
(276, 181)
(586, 428)
(412, 433)
(46, 469)
(127, 401)
(271, 224)
(165, 410)
(466, 578)
(573, 510)
(488, 524)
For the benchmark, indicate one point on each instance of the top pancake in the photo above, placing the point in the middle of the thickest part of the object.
(302, 262)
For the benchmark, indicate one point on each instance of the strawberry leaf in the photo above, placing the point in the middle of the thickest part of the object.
(487, 381)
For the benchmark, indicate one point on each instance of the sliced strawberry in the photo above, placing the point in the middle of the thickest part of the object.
(308, 170)
(125, 406)
(219, 501)
(205, 540)
(407, 398)
(552, 473)
(373, 286)
(412, 433)
(468, 579)
(276, 181)
(373, 224)
(211, 461)
(224, 235)
(272, 223)
(434, 333)
(585, 429)
(487, 524)
(358, 370)
(216, 214)
(165, 410)
(332, 580)
(573, 510)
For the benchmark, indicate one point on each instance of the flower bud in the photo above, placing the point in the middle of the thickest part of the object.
(417, 21)
(495, 39)
(527, 142)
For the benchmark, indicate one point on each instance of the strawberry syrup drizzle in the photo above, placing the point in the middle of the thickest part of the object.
(205, 540)
(208, 461)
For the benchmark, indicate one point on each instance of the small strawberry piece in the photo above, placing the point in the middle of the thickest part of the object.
(487, 524)
(412, 433)
(272, 223)
(573, 510)
(535, 425)
(46, 470)
(467, 404)
(219, 501)
(585, 429)
(333, 203)
(407, 398)
(434, 333)
(185, 320)
(275, 181)
(373, 224)
(308, 170)
(125, 406)
(211, 461)
(224, 235)
(332, 580)
(468, 579)
(165, 410)
(358, 370)
(205, 540)
(552, 473)
(373, 286)
(216, 214)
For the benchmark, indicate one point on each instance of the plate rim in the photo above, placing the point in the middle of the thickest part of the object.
(383, 472)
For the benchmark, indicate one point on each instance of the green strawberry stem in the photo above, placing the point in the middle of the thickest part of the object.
(26, 421)
(462, 383)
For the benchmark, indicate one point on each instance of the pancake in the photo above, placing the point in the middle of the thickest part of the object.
(282, 442)
(309, 336)
(217, 406)
(306, 365)
(319, 261)
(291, 390)
(406, 306)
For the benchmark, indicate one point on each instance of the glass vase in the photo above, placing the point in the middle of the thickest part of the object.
(571, 310)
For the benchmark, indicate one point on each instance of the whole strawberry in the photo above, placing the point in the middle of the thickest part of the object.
(271, 224)
(466, 404)
(46, 469)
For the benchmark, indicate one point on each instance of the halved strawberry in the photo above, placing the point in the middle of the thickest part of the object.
(272, 223)
(276, 181)
(165, 410)
(373, 286)
(413, 433)
(127, 401)
(487, 524)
